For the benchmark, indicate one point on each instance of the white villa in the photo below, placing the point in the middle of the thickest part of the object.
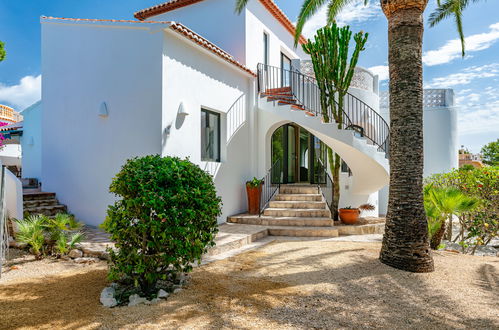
(190, 78)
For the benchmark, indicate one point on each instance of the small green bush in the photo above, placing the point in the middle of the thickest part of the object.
(165, 220)
(49, 236)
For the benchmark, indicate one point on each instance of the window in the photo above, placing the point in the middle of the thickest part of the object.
(210, 136)
(265, 49)
(285, 71)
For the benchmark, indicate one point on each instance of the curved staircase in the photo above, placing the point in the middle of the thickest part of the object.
(361, 139)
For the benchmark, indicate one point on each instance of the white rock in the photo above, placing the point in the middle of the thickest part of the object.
(107, 297)
(153, 301)
(162, 294)
(75, 253)
(135, 299)
(177, 290)
(86, 260)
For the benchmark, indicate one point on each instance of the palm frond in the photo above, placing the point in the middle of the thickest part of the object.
(334, 8)
(240, 5)
(75, 239)
(451, 8)
(308, 9)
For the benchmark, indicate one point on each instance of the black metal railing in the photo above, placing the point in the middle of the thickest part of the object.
(270, 186)
(305, 91)
(326, 187)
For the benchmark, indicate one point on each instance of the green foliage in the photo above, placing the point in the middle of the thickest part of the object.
(164, 221)
(480, 224)
(45, 235)
(329, 52)
(254, 183)
(31, 231)
(3, 53)
(490, 153)
(441, 205)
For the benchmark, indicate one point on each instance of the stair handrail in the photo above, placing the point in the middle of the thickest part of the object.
(236, 116)
(269, 188)
(326, 187)
(306, 92)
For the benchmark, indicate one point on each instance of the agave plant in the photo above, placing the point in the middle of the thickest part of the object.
(32, 231)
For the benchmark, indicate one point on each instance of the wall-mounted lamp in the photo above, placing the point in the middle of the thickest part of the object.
(31, 141)
(103, 112)
(182, 110)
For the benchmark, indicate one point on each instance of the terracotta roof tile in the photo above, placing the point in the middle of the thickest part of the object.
(175, 4)
(177, 27)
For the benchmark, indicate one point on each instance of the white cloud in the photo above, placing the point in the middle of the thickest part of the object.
(354, 12)
(452, 49)
(381, 71)
(478, 112)
(20, 96)
(465, 77)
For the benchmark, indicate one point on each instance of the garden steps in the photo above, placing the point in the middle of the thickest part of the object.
(249, 219)
(298, 197)
(296, 212)
(41, 202)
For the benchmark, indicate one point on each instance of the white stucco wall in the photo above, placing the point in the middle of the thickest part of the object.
(83, 65)
(13, 195)
(216, 21)
(260, 20)
(440, 140)
(31, 142)
(198, 79)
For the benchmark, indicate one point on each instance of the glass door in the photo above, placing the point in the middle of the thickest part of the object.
(297, 156)
(304, 159)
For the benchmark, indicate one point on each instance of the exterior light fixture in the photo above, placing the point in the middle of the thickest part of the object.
(31, 141)
(103, 112)
(182, 110)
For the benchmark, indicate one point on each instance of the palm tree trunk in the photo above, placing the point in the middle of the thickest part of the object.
(437, 238)
(405, 243)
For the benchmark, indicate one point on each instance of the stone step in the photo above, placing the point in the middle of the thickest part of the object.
(280, 221)
(40, 202)
(46, 210)
(303, 231)
(297, 204)
(297, 189)
(234, 236)
(31, 196)
(367, 229)
(285, 212)
(298, 197)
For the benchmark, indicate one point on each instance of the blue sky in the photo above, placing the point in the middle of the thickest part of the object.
(475, 78)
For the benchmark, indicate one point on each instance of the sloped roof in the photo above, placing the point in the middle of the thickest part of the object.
(177, 27)
(175, 4)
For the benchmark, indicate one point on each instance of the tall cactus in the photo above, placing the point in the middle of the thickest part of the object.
(333, 72)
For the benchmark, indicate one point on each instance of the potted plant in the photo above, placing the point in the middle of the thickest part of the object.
(350, 215)
(254, 192)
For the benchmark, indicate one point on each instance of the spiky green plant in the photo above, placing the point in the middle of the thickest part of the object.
(334, 71)
(441, 204)
(31, 231)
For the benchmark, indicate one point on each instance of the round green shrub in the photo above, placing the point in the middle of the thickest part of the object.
(165, 220)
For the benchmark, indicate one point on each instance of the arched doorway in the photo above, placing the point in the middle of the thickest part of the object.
(297, 155)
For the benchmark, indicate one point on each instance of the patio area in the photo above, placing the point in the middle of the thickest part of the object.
(282, 285)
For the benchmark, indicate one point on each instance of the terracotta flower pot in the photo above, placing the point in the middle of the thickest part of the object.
(349, 216)
(254, 195)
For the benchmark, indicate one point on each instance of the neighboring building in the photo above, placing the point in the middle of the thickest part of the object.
(439, 129)
(31, 142)
(11, 123)
(229, 96)
(467, 158)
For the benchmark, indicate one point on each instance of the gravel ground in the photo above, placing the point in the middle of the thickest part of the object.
(296, 284)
